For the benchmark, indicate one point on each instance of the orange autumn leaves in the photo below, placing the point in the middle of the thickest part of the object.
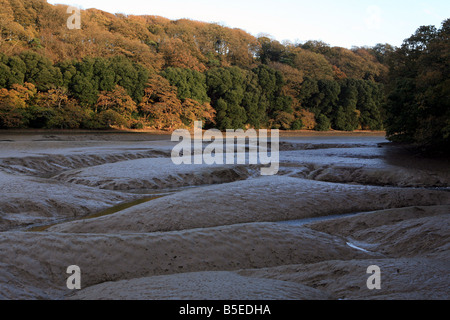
(161, 106)
(23, 105)
(151, 72)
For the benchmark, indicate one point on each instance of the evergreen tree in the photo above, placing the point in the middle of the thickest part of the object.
(191, 84)
(346, 117)
(226, 88)
(40, 71)
(418, 106)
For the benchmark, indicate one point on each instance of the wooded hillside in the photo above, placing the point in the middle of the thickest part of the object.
(149, 71)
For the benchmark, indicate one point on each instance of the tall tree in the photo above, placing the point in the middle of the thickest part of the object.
(418, 105)
(117, 100)
(226, 88)
(160, 104)
(346, 116)
(190, 84)
(14, 104)
(40, 71)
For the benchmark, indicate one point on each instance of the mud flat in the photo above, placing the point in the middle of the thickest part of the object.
(263, 199)
(337, 206)
(154, 173)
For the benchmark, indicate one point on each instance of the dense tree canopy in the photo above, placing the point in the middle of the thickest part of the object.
(418, 104)
(190, 84)
(149, 71)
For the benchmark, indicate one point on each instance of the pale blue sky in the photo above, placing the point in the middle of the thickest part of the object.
(344, 23)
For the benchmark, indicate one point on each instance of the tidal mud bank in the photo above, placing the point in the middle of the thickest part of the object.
(208, 228)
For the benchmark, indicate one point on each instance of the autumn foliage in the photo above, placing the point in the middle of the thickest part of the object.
(152, 72)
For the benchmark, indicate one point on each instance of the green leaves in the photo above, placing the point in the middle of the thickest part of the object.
(250, 82)
(418, 106)
(191, 84)
(12, 71)
(86, 78)
(247, 97)
(226, 88)
(40, 71)
(348, 104)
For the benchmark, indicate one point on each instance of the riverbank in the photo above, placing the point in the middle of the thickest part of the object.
(283, 133)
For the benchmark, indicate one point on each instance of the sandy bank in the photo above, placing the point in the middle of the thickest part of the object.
(227, 240)
(410, 244)
(264, 199)
(155, 173)
(34, 264)
(206, 285)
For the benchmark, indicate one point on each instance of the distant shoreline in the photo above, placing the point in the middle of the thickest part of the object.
(300, 133)
(283, 133)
